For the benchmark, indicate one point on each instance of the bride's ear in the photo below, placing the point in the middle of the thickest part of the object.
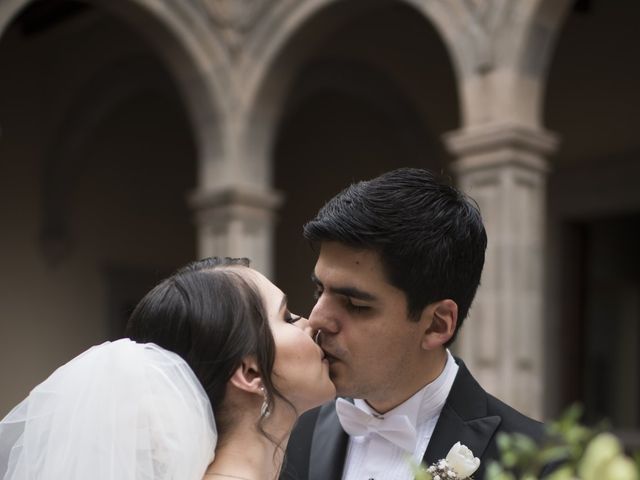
(247, 376)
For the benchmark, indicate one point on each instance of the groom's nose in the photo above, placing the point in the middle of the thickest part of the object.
(323, 316)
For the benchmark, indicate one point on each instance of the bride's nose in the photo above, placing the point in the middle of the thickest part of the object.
(303, 324)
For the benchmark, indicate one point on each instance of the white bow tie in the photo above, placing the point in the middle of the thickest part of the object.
(395, 428)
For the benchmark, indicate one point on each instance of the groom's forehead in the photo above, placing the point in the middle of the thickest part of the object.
(343, 267)
(339, 254)
(349, 264)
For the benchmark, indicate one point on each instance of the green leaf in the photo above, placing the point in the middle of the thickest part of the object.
(564, 473)
(554, 453)
(420, 471)
(524, 443)
(504, 441)
(496, 472)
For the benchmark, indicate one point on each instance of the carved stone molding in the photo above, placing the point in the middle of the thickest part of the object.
(484, 19)
(234, 202)
(234, 18)
(491, 145)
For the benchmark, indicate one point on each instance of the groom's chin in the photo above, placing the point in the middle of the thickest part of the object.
(343, 388)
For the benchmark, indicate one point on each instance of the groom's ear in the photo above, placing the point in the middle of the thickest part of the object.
(247, 376)
(440, 319)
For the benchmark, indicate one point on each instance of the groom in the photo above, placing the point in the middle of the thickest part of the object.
(399, 264)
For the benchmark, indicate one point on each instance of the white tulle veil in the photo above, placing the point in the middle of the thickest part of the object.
(119, 411)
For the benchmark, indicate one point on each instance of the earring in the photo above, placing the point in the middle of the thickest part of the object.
(316, 337)
(264, 410)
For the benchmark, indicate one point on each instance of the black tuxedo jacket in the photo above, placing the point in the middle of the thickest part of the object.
(317, 447)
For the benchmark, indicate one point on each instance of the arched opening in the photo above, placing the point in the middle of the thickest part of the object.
(373, 91)
(594, 206)
(98, 156)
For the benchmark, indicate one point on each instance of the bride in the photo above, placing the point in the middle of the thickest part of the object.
(214, 374)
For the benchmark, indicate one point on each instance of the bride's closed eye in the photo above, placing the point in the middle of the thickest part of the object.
(291, 318)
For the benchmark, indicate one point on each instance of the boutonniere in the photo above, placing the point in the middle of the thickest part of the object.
(458, 465)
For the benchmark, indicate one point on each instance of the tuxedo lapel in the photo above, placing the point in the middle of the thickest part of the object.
(450, 429)
(328, 446)
(463, 419)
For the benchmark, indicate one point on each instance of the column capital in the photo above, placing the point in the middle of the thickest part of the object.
(482, 147)
(234, 202)
(237, 221)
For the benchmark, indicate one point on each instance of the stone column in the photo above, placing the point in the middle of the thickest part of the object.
(503, 167)
(237, 222)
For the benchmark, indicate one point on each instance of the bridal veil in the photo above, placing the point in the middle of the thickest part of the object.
(119, 411)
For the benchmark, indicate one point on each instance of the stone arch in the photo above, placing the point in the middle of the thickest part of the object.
(540, 33)
(283, 22)
(532, 49)
(506, 82)
(274, 60)
(193, 56)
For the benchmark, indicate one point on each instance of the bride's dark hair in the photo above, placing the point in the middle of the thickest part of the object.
(211, 316)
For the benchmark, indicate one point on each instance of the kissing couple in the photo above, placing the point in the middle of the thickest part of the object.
(217, 379)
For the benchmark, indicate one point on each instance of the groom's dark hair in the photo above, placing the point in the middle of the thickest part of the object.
(429, 235)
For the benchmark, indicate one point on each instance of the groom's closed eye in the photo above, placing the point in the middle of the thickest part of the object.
(354, 307)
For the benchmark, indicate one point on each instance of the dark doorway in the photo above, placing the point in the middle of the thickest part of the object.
(601, 310)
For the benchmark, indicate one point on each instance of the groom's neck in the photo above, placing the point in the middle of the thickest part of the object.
(411, 381)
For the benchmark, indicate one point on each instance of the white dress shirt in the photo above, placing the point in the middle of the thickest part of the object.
(372, 457)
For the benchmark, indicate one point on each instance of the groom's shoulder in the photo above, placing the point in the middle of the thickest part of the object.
(307, 422)
(511, 420)
(514, 421)
(296, 464)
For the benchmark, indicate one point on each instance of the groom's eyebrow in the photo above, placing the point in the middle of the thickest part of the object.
(351, 292)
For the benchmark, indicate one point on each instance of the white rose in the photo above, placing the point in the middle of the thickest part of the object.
(461, 459)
